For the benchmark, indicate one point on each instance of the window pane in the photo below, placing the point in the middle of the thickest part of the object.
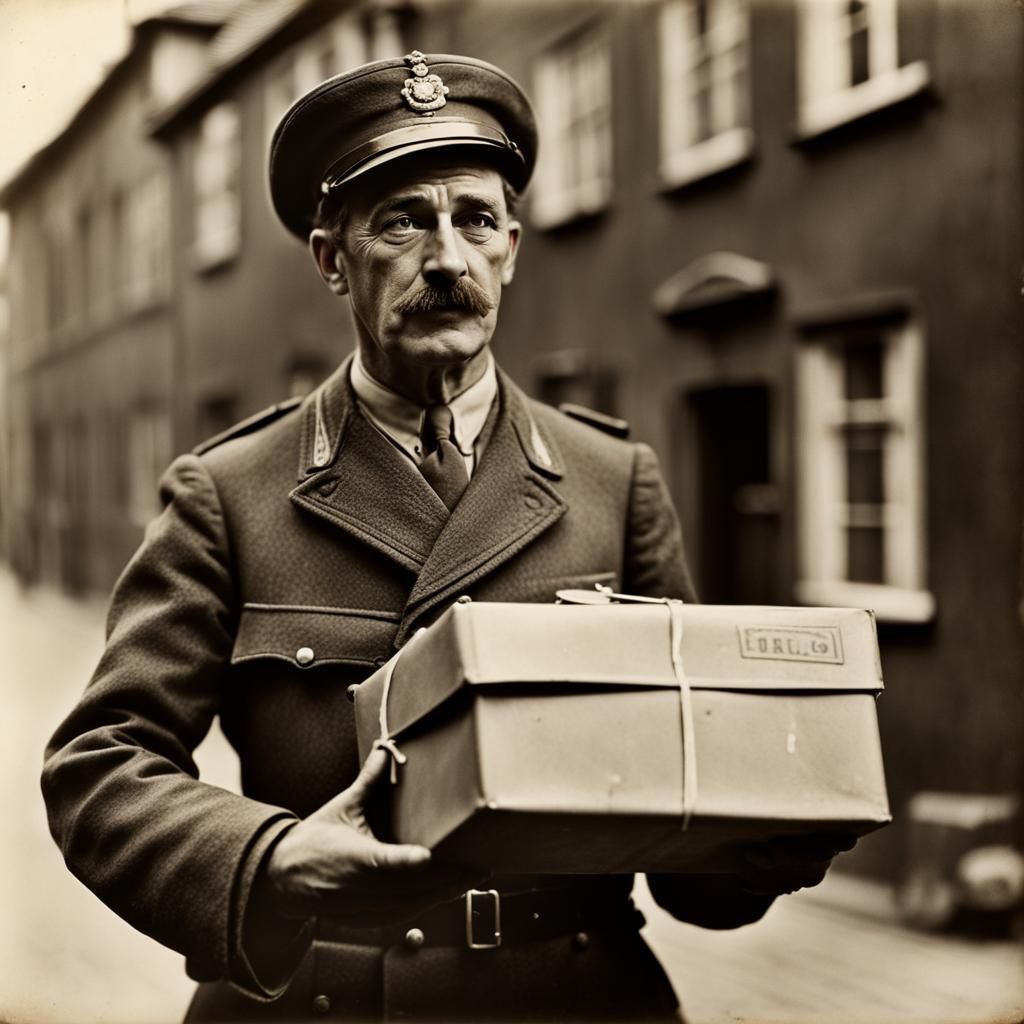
(865, 554)
(860, 69)
(703, 99)
(218, 200)
(574, 107)
(862, 363)
(865, 465)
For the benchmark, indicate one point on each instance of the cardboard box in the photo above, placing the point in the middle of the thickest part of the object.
(551, 738)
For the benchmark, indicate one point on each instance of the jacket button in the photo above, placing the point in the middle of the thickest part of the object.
(581, 940)
(322, 1004)
(304, 655)
(414, 938)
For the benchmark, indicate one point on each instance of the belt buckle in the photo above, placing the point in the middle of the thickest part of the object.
(475, 900)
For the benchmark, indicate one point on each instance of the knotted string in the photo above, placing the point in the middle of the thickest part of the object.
(675, 611)
(384, 741)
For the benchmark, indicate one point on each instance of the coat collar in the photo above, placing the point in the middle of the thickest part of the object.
(354, 478)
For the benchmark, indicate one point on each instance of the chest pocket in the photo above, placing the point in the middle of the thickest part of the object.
(306, 636)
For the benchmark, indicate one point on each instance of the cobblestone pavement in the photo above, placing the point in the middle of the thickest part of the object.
(829, 956)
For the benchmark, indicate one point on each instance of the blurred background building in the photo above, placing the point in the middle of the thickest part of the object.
(782, 239)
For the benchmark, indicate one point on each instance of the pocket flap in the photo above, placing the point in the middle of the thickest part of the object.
(306, 636)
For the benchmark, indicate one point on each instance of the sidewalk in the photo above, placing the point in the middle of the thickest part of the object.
(836, 955)
(832, 955)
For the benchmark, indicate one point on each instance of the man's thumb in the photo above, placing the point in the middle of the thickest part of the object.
(372, 771)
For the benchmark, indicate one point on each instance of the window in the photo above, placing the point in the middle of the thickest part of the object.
(118, 264)
(218, 199)
(215, 414)
(146, 243)
(849, 62)
(56, 279)
(704, 87)
(574, 106)
(339, 47)
(85, 269)
(861, 485)
(149, 449)
(115, 426)
(102, 258)
(305, 374)
(385, 34)
(576, 377)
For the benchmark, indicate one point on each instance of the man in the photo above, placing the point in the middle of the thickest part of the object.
(299, 551)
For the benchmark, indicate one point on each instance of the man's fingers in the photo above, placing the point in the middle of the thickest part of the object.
(392, 858)
(785, 851)
(844, 841)
(776, 881)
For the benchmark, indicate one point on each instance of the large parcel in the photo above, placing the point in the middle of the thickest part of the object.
(633, 737)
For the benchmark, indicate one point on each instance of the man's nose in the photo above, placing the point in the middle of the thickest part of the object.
(444, 263)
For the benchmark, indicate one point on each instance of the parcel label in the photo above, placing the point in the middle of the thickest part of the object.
(792, 643)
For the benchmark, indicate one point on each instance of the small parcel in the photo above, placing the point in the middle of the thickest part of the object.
(627, 737)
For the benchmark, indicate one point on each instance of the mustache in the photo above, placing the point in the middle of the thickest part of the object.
(463, 294)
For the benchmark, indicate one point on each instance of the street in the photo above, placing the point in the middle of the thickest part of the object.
(834, 954)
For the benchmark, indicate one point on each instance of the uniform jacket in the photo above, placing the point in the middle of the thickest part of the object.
(313, 531)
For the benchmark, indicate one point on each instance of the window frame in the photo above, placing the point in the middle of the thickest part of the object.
(684, 159)
(555, 198)
(824, 512)
(146, 242)
(827, 96)
(147, 453)
(219, 198)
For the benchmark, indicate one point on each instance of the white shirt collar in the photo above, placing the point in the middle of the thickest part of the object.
(401, 418)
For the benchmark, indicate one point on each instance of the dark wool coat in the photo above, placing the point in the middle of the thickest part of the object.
(312, 530)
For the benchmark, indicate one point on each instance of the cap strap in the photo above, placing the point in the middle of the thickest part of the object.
(438, 130)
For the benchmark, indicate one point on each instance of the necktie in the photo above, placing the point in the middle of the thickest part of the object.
(443, 466)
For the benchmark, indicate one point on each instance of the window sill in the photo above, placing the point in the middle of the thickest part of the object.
(713, 156)
(556, 210)
(211, 252)
(828, 113)
(890, 604)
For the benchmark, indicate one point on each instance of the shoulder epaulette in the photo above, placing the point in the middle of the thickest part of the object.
(609, 424)
(248, 425)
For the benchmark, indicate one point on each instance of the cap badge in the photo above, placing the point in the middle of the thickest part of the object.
(423, 92)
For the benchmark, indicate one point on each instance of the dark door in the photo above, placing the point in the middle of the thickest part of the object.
(737, 558)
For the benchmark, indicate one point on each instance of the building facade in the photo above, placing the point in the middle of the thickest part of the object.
(782, 239)
(256, 323)
(90, 347)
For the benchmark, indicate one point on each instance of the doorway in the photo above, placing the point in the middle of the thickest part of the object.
(737, 557)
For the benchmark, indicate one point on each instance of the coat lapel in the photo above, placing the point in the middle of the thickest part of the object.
(510, 501)
(354, 478)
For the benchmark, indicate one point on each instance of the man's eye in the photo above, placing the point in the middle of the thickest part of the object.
(480, 220)
(403, 223)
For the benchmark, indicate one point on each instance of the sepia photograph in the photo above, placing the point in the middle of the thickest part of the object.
(512, 511)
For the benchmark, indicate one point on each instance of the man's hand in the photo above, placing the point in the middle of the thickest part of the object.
(729, 900)
(788, 863)
(331, 864)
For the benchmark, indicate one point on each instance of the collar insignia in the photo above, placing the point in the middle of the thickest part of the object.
(424, 92)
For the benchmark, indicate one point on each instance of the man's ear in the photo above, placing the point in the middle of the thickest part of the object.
(509, 269)
(328, 261)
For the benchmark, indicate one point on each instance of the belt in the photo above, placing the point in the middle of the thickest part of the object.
(486, 919)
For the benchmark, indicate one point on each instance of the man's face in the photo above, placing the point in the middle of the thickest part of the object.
(425, 247)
